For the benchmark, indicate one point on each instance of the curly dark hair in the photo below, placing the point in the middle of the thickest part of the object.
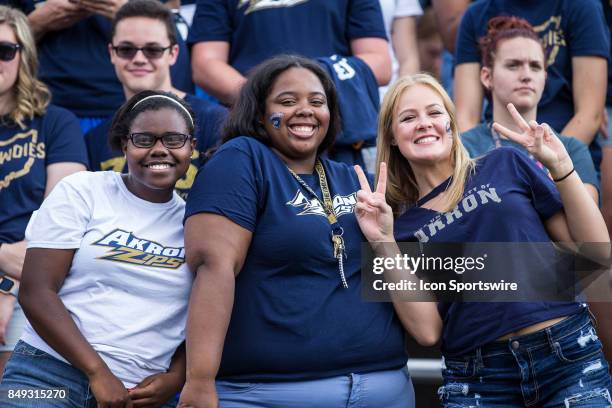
(245, 117)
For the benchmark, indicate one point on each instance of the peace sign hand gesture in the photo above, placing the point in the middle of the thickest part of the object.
(540, 141)
(374, 215)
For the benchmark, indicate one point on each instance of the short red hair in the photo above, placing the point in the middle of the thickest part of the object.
(504, 28)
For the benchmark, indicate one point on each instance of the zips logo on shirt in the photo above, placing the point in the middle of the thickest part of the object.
(128, 248)
(342, 204)
(256, 5)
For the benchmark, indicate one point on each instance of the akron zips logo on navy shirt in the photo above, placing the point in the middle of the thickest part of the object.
(128, 248)
(342, 204)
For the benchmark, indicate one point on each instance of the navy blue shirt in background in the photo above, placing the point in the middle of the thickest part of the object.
(208, 120)
(568, 28)
(75, 64)
(312, 28)
(507, 199)
(292, 319)
(25, 154)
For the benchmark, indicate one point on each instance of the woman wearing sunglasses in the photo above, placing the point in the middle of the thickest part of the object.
(105, 284)
(39, 145)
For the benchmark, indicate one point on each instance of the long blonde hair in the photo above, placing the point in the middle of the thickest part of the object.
(31, 95)
(402, 188)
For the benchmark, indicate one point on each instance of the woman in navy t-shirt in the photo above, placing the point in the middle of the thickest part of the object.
(512, 353)
(276, 314)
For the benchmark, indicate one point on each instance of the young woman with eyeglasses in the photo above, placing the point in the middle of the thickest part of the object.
(105, 284)
(39, 145)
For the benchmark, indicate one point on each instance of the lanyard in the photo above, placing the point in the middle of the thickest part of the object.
(495, 137)
(328, 207)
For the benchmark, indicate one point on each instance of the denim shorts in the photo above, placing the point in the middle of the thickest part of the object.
(560, 366)
(29, 368)
(388, 389)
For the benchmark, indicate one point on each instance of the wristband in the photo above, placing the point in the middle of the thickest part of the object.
(8, 286)
(566, 176)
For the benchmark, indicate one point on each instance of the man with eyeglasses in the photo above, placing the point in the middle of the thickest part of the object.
(72, 36)
(143, 48)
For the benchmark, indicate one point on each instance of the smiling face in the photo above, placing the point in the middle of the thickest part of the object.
(9, 70)
(296, 116)
(518, 75)
(141, 73)
(421, 126)
(154, 171)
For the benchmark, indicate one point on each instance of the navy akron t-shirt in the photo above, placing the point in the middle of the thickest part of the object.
(260, 30)
(507, 199)
(567, 28)
(75, 63)
(209, 118)
(292, 318)
(24, 156)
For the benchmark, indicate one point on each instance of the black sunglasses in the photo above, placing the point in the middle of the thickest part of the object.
(8, 51)
(149, 51)
(169, 140)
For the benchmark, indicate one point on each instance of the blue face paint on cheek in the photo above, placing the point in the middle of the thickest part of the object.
(275, 119)
(448, 129)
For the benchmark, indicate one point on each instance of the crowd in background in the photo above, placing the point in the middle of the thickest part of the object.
(72, 77)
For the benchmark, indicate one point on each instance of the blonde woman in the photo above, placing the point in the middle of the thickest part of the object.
(39, 145)
(511, 353)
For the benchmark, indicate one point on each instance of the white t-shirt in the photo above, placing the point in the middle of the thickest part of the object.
(392, 9)
(128, 286)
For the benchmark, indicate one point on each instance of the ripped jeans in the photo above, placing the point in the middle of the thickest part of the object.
(560, 366)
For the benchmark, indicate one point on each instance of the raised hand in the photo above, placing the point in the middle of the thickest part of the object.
(540, 141)
(374, 215)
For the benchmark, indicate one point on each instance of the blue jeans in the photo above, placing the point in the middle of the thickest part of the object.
(31, 368)
(388, 389)
(559, 366)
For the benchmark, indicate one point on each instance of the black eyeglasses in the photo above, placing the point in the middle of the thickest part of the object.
(8, 51)
(150, 51)
(169, 140)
